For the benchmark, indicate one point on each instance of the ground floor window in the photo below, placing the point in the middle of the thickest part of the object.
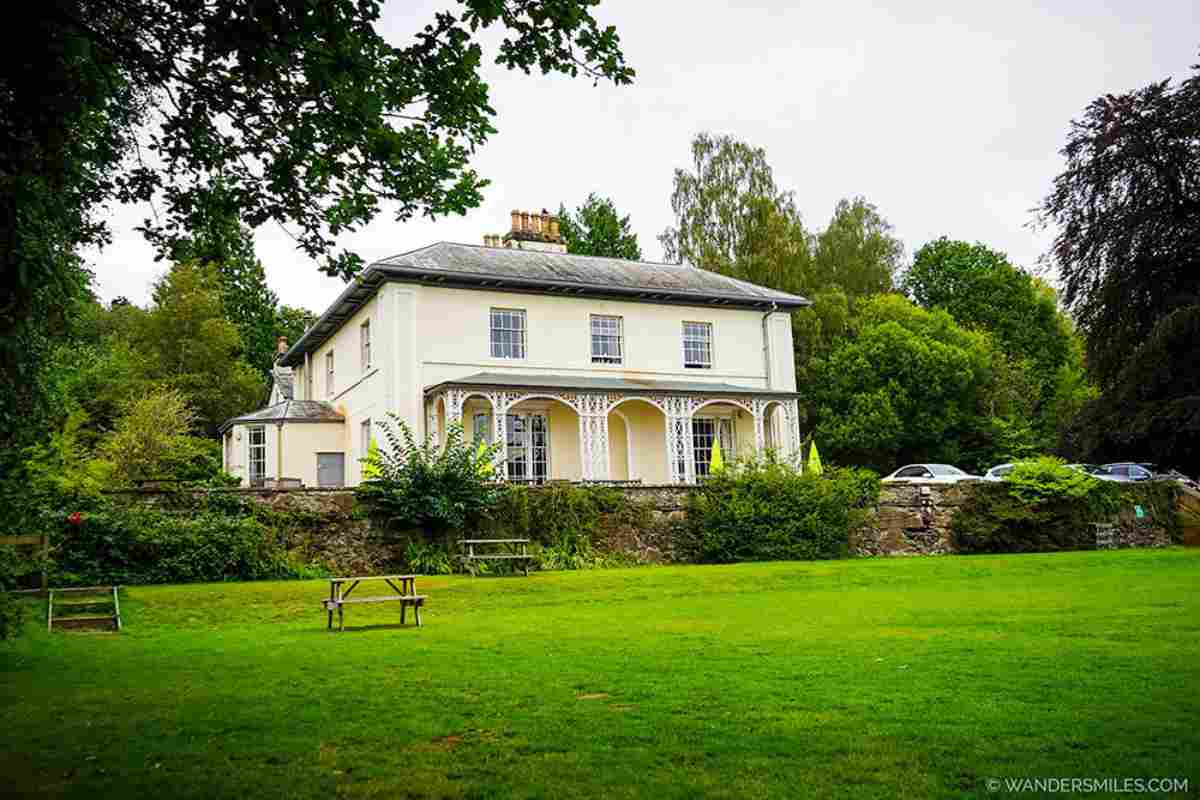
(527, 448)
(258, 454)
(481, 427)
(704, 431)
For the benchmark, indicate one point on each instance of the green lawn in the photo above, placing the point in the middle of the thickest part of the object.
(866, 678)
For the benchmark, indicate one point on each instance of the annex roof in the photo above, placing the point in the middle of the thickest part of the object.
(288, 411)
(535, 271)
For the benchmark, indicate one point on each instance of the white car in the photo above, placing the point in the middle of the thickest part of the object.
(929, 473)
(998, 472)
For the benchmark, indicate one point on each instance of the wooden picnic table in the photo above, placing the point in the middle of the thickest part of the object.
(470, 557)
(405, 594)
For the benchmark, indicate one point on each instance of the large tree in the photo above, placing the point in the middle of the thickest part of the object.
(1127, 209)
(732, 218)
(307, 116)
(597, 229)
(906, 384)
(857, 252)
(982, 290)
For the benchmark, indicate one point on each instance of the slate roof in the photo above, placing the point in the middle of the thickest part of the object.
(510, 269)
(495, 380)
(288, 411)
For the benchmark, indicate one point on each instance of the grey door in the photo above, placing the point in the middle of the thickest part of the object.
(331, 469)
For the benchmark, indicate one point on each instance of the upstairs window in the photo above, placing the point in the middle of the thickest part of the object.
(364, 343)
(697, 345)
(329, 374)
(508, 333)
(608, 346)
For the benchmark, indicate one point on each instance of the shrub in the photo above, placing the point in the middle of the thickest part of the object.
(430, 488)
(763, 511)
(12, 613)
(1042, 505)
(119, 544)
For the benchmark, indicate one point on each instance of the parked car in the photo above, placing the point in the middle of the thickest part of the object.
(929, 473)
(998, 472)
(1095, 470)
(1130, 471)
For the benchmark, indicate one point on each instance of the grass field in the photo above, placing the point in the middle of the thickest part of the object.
(867, 678)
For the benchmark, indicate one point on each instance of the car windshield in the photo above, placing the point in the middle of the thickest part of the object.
(945, 469)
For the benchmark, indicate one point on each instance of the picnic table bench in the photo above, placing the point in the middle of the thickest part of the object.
(405, 594)
(470, 557)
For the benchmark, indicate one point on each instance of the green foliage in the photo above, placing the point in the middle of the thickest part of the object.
(858, 252)
(732, 218)
(425, 558)
(1042, 505)
(1151, 411)
(763, 511)
(132, 544)
(435, 488)
(1127, 248)
(596, 229)
(13, 567)
(908, 385)
(148, 436)
(190, 346)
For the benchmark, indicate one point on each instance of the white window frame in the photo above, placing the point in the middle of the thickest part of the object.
(251, 430)
(329, 374)
(364, 344)
(494, 345)
(364, 437)
(708, 341)
(527, 449)
(601, 357)
(481, 428)
(721, 424)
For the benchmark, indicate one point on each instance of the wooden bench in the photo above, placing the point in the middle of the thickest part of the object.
(405, 594)
(470, 557)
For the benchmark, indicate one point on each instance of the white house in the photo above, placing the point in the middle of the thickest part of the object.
(587, 368)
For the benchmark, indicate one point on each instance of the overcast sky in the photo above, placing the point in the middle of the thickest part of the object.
(946, 114)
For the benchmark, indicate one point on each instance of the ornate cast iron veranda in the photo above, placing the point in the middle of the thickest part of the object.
(593, 400)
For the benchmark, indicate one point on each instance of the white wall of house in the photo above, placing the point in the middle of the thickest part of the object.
(423, 335)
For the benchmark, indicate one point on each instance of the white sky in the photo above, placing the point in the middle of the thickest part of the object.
(947, 114)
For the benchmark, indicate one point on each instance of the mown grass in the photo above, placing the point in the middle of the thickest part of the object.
(868, 678)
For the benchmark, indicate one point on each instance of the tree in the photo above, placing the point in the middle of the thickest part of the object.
(596, 229)
(146, 438)
(191, 347)
(906, 384)
(857, 252)
(291, 322)
(304, 113)
(220, 240)
(1127, 210)
(732, 218)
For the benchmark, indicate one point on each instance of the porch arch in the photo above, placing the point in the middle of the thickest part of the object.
(645, 425)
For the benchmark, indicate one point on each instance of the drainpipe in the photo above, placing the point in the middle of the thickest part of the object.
(278, 454)
(766, 344)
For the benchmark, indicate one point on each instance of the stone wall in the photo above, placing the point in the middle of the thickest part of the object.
(910, 519)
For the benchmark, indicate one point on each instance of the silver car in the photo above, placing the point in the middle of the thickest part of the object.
(929, 473)
(998, 472)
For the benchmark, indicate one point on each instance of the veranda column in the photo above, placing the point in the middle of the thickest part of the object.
(681, 462)
(791, 424)
(454, 406)
(431, 423)
(500, 401)
(593, 436)
(760, 439)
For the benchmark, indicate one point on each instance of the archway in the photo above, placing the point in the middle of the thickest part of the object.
(637, 437)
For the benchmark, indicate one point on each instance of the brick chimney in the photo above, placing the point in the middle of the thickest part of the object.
(533, 231)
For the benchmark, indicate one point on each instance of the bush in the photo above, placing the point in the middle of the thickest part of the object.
(12, 613)
(119, 544)
(430, 488)
(765, 511)
(1041, 506)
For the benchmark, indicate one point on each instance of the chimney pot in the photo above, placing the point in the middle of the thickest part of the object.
(281, 345)
(525, 223)
(516, 221)
(555, 235)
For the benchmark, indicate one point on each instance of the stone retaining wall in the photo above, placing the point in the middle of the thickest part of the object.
(910, 519)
